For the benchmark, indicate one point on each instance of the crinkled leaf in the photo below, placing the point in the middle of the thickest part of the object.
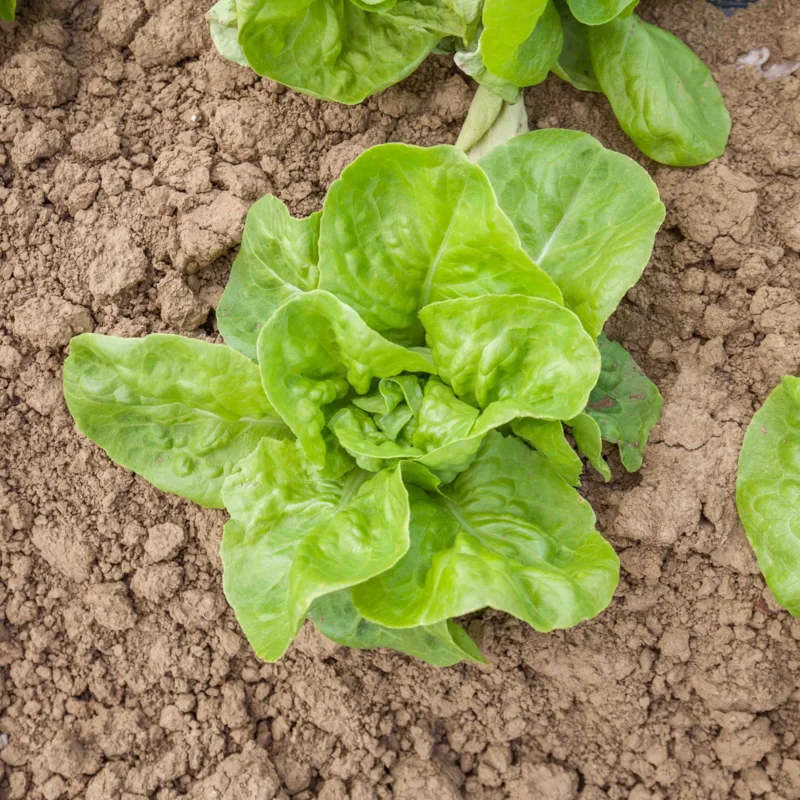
(586, 433)
(311, 351)
(663, 95)
(523, 350)
(598, 12)
(297, 533)
(277, 259)
(575, 62)
(358, 433)
(442, 644)
(768, 491)
(588, 216)
(442, 17)
(330, 49)
(180, 412)
(391, 392)
(225, 31)
(547, 438)
(626, 404)
(405, 226)
(509, 533)
(522, 39)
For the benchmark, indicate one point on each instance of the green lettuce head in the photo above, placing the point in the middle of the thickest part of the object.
(386, 426)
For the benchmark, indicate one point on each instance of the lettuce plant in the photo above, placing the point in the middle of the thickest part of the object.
(662, 94)
(767, 491)
(386, 424)
(7, 10)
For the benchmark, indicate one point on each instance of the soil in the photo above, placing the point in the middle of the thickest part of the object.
(129, 155)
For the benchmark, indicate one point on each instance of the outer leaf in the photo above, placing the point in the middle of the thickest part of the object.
(406, 226)
(768, 491)
(7, 10)
(311, 351)
(626, 404)
(297, 534)
(225, 31)
(180, 412)
(515, 50)
(508, 533)
(547, 437)
(523, 350)
(442, 644)
(663, 95)
(597, 12)
(575, 62)
(587, 436)
(277, 259)
(586, 215)
(330, 49)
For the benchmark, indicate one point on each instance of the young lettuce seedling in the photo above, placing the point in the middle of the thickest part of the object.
(662, 94)
(767, 491)
(386, 424)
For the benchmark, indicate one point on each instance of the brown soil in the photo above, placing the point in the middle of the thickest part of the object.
(129, 154)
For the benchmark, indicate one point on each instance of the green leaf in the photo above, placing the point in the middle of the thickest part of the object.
(442, 17)
(663, 95)
(626, 404)
(311, 351)
(522, 39)
(508, 533)
(391, 392)
(7, 10)
(330, 49)
(485, 106)
(225, 31)
(360, 436)
(277, 259)
(586, 215)
(180, 412)
(443, 418)
(524, 350)
(442, 644)
(598, 12)
(768, 491)
(547, 438)
(298, 533)
(586, 433)
(575, 62)
(406, 226)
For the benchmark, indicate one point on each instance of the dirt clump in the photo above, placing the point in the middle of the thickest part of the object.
(129, 156)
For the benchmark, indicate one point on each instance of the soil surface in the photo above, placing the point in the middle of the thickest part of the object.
(129, 155)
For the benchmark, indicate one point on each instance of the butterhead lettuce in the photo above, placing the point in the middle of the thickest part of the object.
(386, 424)
(663, 95)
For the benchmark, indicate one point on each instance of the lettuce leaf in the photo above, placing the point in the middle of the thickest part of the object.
(586, 215)
(768, 489)
(426, 220)
(508, 533)
(663, 95)
(180, 412)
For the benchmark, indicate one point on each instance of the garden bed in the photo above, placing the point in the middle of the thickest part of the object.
(128, 161)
